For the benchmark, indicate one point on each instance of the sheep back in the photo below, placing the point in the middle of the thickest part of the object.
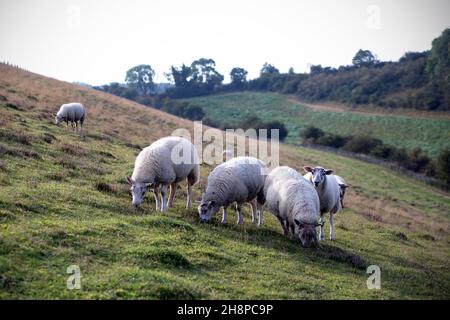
(290, 196)
(154, 163)
(72, 112)
(238, 180)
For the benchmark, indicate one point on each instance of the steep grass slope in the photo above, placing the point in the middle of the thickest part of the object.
(431, 134)
(63, 202)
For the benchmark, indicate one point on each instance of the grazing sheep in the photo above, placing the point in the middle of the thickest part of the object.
(342, 188)
(164, 163)
(328, 190)
(293, 200)
(71, 112)
(238, 180)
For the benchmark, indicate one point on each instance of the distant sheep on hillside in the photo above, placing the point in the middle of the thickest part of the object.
(71, 112)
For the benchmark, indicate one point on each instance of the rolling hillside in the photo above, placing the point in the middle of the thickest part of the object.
(429, 132)
(63, 201)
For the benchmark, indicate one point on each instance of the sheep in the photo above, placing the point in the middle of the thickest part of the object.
(72, 112)
(239, 180)
(295, 203)
(159, 166)
(328, 189)
(342, 188)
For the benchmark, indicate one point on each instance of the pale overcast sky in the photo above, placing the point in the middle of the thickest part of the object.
(97, 41)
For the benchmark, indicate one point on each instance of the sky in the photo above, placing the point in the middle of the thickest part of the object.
(96, 42)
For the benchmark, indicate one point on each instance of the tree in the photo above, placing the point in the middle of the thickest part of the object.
(443, 166)
(141, 78)
(269, 69)
(203, 72)
(364, 58)
(438, 64)
(179, 76)
(238, 76)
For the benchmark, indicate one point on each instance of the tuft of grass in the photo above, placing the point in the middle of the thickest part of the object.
(104, 187)
(12, 136)
(165, 257)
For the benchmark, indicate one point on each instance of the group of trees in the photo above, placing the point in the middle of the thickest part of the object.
(200, 78)
(419, 80)
(414, 160)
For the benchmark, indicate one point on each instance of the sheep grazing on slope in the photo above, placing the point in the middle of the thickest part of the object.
(71, 112)
(328, 190)
(342, 188)
(293, 200)
(238, 180)
(164, 163)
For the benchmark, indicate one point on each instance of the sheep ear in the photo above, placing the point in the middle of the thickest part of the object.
(328, 172)
(308, 169)
(129, 181)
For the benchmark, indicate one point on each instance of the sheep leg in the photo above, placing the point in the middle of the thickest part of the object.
(164, 198)
(260, 220)
(76, 126)
(254, 206)
(283, 225)
(332, 236)
(322, 221)
(189, 196)
(173, 188)
(71, 124)
(224, 216)
(157, 199)
(240, 219)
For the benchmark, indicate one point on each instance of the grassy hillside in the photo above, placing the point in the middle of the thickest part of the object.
(63, 202)
(431, 134)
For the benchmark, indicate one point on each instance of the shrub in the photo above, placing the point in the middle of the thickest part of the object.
(362, 144)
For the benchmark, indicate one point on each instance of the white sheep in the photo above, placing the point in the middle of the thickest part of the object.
(328, 190)
(293, 200)
(342, 188)
(238, 180)
(164, 163)
(71, 112)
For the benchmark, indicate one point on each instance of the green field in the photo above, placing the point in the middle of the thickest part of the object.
(63, 201)
(430, 134)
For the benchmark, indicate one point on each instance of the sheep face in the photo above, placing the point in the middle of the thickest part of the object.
(207, 210)
(138, 191)
(318, 174)
(58, 120)
(306, 233)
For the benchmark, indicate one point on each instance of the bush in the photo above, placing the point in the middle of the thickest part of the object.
(312, 134)
(332, 140)
(362, 144)
(443, 166)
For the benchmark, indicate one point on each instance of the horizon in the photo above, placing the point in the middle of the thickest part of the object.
(97, 42)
